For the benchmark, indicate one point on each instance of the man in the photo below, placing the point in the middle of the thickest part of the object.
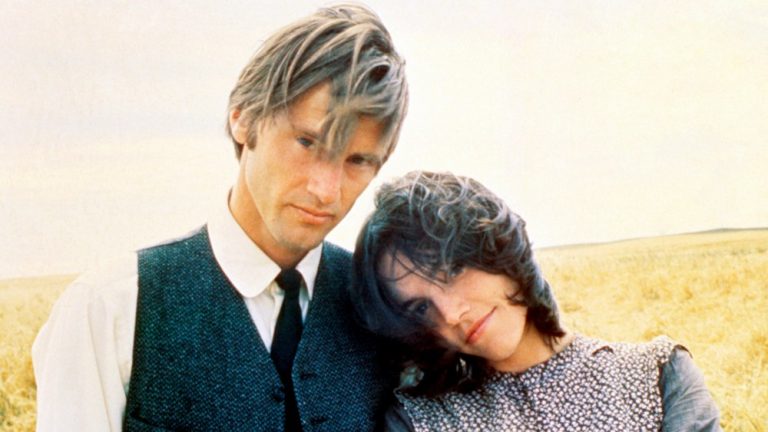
(243, 324)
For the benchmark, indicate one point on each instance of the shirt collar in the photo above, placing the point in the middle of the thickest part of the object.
(246, 266)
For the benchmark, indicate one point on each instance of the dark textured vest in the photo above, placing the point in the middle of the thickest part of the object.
(199, 363)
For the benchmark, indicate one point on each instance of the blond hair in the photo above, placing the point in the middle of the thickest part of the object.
(346, 45)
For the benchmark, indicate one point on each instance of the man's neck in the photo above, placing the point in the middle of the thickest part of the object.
(250, 221)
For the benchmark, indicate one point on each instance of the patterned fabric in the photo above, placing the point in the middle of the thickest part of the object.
(589, 386)
(199, 363)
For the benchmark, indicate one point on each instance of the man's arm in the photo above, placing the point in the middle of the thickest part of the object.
(688, 405)
(82, 355)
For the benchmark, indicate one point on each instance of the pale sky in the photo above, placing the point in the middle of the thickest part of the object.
(595, 120)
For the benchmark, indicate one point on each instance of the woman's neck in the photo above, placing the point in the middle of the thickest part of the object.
(533, 349)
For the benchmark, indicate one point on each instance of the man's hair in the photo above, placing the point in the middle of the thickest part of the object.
(346, 45)
(443, 223)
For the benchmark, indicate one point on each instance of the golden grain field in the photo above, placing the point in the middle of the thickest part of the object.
(707, 291)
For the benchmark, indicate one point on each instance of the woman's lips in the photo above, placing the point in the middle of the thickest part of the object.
(478, 327)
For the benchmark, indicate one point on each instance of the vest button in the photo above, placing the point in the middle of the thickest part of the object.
(278, 394)
(307, 375)
(317, 420)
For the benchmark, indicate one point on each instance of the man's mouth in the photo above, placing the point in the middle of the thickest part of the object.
(313, 216)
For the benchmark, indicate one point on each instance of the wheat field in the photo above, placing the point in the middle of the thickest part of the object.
(707, 291)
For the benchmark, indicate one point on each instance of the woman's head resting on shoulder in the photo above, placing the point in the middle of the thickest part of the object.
(445, 268)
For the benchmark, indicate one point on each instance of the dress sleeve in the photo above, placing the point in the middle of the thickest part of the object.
(688, 405)
(396, 419)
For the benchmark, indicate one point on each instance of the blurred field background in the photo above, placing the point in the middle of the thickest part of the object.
(707, 291)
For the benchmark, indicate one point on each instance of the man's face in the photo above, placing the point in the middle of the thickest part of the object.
(290, 190)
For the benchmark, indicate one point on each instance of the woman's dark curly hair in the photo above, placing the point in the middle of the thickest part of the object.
(443, 223)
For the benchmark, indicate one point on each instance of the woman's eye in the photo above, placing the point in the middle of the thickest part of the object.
(421, 308)
(455, 271)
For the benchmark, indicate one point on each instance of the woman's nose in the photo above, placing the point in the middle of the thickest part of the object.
(452, 308)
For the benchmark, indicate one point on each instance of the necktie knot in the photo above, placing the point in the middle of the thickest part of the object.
(290, 281)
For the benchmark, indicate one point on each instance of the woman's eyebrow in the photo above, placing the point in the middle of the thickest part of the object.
(408, 303)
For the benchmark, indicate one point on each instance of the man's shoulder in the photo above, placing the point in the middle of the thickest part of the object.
(335, 258)
(335, 251)
(189, 250)
(113, 278)
(107, 285)
(335, 268)
(199, 232)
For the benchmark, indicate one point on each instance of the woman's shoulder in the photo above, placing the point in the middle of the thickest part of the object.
(660, 349)
(397, 419)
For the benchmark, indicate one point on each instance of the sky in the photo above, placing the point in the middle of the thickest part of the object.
(595, 120)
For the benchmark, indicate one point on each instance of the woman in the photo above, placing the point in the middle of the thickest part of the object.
(446, 270)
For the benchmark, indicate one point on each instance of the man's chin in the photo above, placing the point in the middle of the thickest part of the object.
(304, 244)
(299, 238)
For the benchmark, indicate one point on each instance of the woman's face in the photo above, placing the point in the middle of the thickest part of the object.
(472, 313)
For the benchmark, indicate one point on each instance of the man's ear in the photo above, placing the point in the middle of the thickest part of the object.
(238, 128)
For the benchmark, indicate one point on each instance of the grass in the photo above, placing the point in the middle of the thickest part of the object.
(24, 307)
(708, 291)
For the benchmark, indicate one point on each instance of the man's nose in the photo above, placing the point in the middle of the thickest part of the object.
(325, 178)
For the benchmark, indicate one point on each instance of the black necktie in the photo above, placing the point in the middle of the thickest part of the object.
(286, 340)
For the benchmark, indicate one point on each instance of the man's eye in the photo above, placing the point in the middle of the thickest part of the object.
(357, 160)
(304, 141)
(361, 160)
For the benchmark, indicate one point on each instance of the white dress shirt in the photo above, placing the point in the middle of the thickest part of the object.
(82, 356)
